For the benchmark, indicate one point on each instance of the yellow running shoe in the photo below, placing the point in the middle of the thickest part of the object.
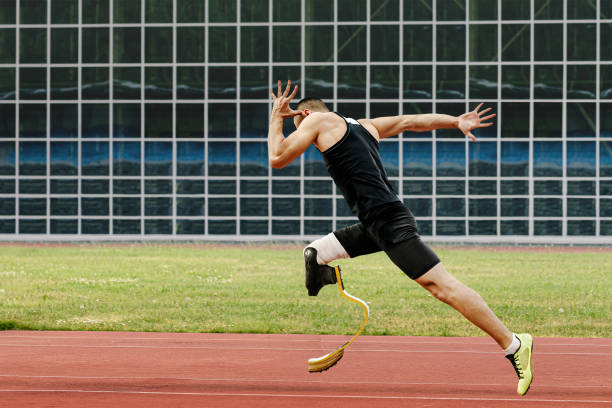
(522, 361)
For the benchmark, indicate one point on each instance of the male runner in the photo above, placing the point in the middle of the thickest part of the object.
(350, 150)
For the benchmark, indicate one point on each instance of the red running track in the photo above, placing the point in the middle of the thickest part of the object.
(113, 369)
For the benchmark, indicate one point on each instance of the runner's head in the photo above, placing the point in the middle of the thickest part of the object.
(309, 105)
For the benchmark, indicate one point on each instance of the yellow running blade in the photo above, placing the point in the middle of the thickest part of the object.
(319, 364)
(316, 365)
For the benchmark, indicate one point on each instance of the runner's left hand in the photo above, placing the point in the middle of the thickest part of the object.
(281, 102)
(474, 120)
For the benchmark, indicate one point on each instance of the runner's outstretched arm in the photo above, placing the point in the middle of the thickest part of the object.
(281, 150)
(392, 125)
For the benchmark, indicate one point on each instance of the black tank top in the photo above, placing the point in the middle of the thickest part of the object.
(354, 164)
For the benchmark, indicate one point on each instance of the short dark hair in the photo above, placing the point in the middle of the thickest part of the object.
(314, 104)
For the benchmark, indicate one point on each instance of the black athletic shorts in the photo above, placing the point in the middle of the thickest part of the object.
(390, 228)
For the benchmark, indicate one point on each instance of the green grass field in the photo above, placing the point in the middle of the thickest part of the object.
(247, 288)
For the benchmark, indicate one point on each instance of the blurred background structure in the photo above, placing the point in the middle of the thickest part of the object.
(147, 119)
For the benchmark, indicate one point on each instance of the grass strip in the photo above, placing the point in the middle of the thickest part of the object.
(261, 290)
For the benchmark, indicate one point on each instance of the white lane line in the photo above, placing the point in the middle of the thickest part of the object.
(284, 380)
(291, 349)
(371, 397)
(281, 340)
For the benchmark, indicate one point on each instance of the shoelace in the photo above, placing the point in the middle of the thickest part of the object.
(516, 364)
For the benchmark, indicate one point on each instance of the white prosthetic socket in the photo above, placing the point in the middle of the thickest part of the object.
(328, 249)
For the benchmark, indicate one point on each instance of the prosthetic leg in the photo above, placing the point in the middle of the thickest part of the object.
(319, 364)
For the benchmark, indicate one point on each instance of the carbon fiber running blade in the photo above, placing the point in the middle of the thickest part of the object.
(316, 365)
(320, 364)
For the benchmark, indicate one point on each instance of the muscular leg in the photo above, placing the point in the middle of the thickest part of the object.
(466, 301)
(420, 263)
(518, 348)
